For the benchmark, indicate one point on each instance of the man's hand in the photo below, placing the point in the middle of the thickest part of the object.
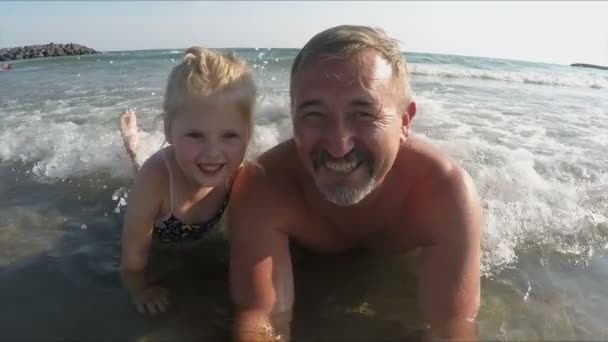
(255, 326)
(152, 300)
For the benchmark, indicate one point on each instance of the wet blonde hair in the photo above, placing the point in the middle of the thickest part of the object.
(205, 73)
(347, 40)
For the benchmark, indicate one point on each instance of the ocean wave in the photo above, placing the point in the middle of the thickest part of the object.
(578, 79)
(550, 202)
(531, 200)
(78, 147)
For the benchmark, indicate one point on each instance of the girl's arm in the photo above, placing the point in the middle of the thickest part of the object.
(144, 203)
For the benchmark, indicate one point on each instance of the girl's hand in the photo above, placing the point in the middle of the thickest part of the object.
(152, 300)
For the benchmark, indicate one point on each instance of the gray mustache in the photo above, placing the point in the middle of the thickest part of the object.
(320, 156)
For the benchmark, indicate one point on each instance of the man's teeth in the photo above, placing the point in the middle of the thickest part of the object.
(341, 166)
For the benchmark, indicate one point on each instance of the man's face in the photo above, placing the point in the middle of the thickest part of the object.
(346, 122)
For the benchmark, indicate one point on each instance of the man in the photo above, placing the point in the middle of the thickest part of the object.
(354, 177)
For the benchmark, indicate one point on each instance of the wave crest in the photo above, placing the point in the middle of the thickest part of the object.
(574, 79)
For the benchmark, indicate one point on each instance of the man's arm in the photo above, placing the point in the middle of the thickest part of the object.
(449, 269)
(261, 277)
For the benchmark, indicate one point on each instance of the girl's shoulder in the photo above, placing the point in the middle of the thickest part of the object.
(154, 172)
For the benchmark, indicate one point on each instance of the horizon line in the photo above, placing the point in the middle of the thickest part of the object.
(297, 48)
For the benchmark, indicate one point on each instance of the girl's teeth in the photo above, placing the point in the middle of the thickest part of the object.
(207, 168)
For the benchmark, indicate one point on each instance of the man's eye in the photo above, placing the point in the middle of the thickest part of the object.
(363, 115)
(194, 135)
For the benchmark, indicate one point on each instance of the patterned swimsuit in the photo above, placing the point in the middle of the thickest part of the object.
(170, 229)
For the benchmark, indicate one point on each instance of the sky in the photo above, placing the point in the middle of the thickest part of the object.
(555, 32)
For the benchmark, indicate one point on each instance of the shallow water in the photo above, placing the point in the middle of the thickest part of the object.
(531, 135)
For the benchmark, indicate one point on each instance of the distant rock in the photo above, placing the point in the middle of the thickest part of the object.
(48, 50)
(583, 65)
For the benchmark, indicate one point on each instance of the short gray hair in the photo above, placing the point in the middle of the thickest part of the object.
(347, 40)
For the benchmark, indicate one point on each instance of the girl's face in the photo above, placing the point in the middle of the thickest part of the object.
(210, 140)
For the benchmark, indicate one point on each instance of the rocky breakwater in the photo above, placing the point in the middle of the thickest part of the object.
(47, 50)
(593, 66)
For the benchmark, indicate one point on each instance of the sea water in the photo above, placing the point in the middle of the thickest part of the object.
(533, 136)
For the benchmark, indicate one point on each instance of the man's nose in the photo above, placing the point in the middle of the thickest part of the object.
(339, 139)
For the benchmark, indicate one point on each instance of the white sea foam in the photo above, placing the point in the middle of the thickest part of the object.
(579, 78)
(59, 150)
(530, 200)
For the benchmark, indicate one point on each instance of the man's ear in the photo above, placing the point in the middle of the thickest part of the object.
(411, 110)
(406, 118)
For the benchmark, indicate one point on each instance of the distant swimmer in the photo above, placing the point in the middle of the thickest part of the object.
(4, 67)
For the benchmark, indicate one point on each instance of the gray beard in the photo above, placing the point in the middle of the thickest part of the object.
(345, 195)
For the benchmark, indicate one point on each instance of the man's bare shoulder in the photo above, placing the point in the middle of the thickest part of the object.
(442, 187)
(267, 183)
(279, 157)
(273, 169)
(427, 167)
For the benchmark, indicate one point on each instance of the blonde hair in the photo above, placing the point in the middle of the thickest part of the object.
(347, 40)
(205, 73)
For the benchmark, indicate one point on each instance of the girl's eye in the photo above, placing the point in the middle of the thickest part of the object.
(230, 135)
(194, 135)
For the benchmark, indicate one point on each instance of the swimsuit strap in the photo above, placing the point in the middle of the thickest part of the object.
(168, 165)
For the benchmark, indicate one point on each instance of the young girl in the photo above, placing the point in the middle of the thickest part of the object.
(181, 191)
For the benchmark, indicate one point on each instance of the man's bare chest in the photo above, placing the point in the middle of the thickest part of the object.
(337, 234)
